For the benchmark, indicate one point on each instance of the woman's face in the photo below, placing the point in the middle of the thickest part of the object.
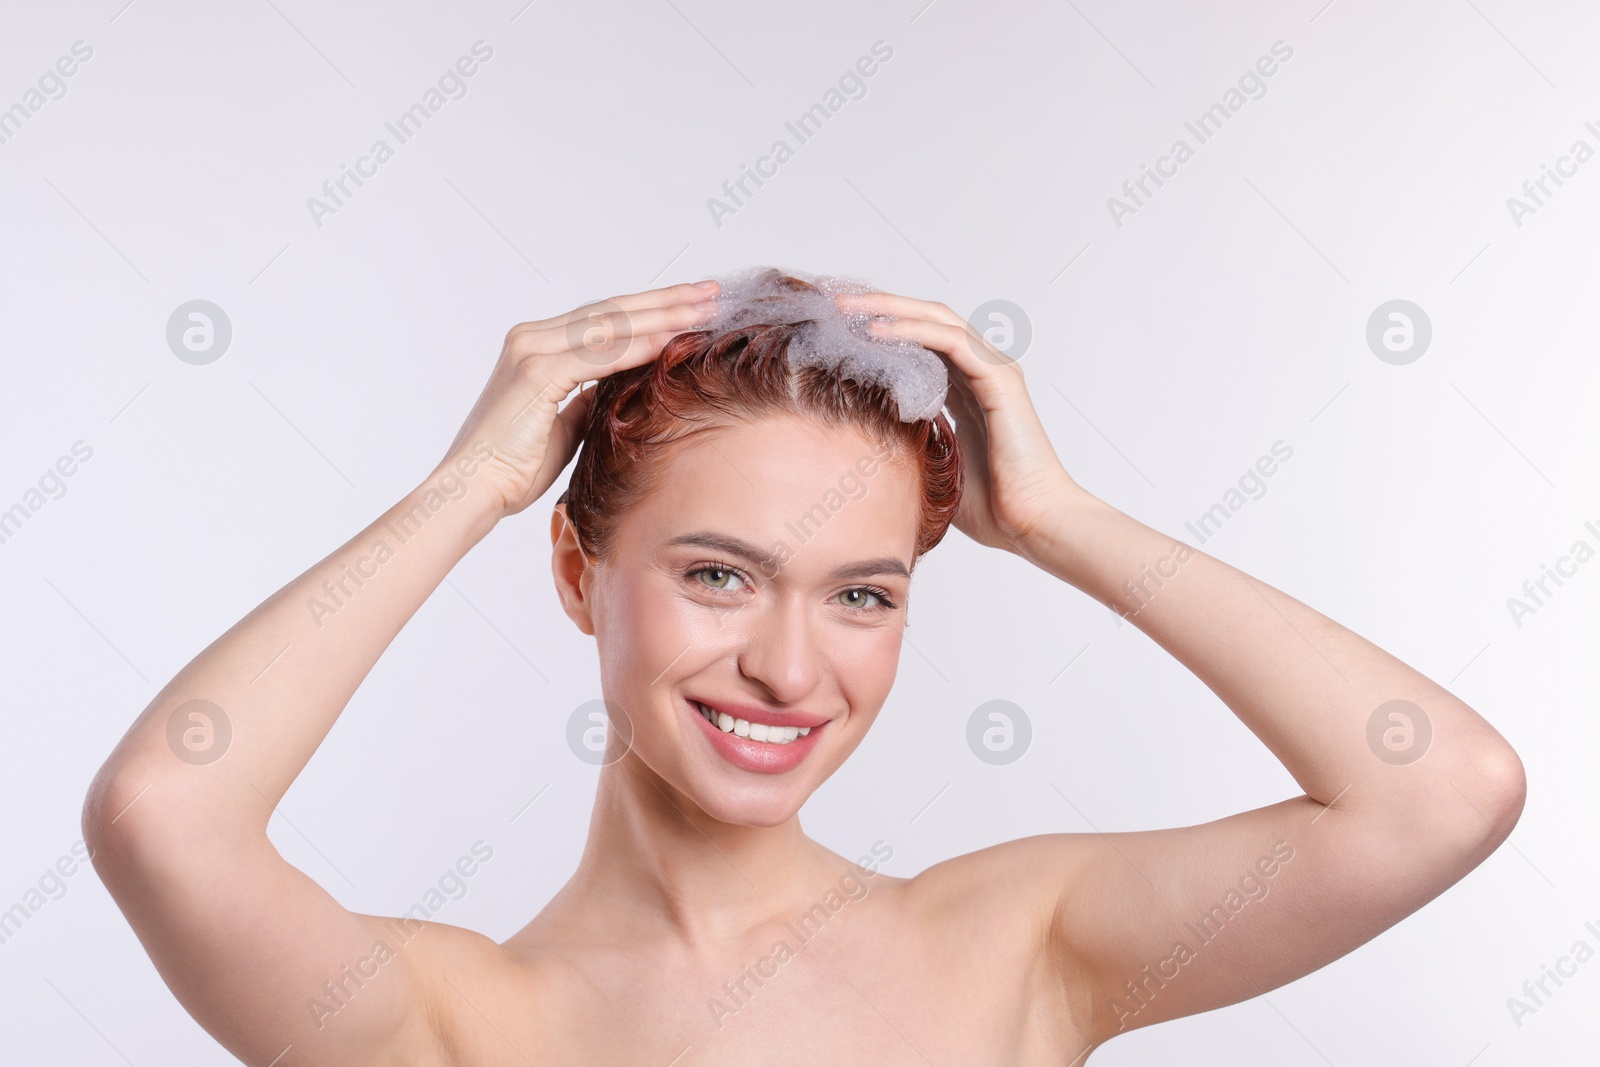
(765, 578)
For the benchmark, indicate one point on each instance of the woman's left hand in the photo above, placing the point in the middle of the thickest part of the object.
(1015, 485)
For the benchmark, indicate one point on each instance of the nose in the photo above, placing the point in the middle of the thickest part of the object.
(779, 652)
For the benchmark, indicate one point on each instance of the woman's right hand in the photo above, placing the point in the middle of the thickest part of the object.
(519, 414)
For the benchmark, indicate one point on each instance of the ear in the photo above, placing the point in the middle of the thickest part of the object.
(572, 570)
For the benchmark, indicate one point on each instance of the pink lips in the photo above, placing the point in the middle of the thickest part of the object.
(759, 756)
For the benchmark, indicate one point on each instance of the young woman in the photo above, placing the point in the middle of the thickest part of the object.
(743, 665)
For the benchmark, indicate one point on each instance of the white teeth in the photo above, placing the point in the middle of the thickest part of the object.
(755, 731)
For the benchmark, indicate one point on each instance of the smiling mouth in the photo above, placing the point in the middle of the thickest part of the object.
(754, 731)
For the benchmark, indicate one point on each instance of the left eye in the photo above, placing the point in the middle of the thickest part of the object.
(859, 598)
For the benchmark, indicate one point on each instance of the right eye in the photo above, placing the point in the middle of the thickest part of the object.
(721, 579)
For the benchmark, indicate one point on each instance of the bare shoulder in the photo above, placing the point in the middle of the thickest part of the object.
(1025, 874)
(462, 976)
(997, 911)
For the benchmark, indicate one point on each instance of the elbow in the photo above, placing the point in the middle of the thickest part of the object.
(141, 813)
(1464, 807)
(105, 798)
(1499, 787)
(119, 821)
(1479, 801)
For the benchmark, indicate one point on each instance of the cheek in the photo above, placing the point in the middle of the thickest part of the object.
(643, 627)
(865, 664)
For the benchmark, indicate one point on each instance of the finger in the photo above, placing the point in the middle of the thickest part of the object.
(685, 293)
(599, 331)
(560, 375)
(905, 307)
(571, 368)
(971, 425)
(669, 296)
(991, 376)
(908, 309)
(616, 342)
(962, 404)
(570, 423)
(602, 329)
(576, 411)
(673, 296)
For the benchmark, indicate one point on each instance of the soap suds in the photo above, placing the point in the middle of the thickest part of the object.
(833, 339)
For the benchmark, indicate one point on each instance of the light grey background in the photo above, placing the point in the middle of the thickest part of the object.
(1169, 353)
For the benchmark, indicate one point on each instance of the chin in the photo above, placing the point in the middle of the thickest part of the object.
(758, 806)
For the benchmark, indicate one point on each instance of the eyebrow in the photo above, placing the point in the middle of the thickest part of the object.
(733, 546)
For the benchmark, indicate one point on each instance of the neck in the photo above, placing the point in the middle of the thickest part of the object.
(655, 857)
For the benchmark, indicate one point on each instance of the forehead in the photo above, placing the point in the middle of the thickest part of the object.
(829, 494)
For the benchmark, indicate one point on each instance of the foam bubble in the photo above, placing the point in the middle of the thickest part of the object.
(834, 339)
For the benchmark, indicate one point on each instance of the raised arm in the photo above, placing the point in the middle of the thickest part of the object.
(1406, 787)
(177, 816)
(1406, 790)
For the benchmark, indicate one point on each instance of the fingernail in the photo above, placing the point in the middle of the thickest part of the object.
(709, 283)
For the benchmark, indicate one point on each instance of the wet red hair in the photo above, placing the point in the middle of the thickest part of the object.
(703, 379)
